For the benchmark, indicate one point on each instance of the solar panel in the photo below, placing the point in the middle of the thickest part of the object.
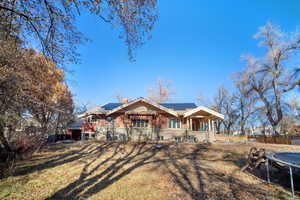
(76, 125)
(111, 106)
(179, 106)
(173, 106)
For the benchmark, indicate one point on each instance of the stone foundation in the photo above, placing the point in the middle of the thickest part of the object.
(141, 134)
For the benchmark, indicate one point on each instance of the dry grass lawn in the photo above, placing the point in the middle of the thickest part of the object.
(137, 171)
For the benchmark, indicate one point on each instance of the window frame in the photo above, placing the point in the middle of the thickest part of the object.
(174, 123)
(140, 123)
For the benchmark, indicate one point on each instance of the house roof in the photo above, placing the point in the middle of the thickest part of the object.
(111, 106)
(179, 106)
(185, 109)
(76, 125)
(173, 106)
(98, 109)
(141, 99)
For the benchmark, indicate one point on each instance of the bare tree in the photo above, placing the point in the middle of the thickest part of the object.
(217, 104)
(52, 22)
(227, 106)
(121, 98)
(295, 107)
(268, 78)
(203, 100)
(245, 105)
(226, 103)
(162, 91)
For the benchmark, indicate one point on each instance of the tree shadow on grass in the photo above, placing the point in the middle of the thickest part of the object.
(278, 177)
(195, 176)
(57, 160)
(138, 155)
(190, 170)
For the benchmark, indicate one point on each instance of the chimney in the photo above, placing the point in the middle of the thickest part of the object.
(124, 101)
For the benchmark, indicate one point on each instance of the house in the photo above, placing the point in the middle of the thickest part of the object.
(146, 120)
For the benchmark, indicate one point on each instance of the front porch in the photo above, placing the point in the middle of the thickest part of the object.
(201, 122)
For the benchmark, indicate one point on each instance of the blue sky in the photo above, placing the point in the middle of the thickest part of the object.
(196, 43)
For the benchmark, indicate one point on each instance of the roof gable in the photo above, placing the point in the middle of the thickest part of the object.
(156, 105)
(205, 110)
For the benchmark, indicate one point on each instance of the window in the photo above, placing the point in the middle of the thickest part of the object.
(140, 123)
(174, 123)
(92, 118)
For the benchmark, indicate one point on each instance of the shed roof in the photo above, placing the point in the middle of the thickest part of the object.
(76, 125)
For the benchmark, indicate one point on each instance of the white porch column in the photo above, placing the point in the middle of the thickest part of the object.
(209, 130)
(187, 124)
(191, 124)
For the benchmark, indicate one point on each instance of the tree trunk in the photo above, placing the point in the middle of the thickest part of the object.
(275, 128)
(228, 129)
(57, 124)
(243, 128)
(218, 126)
(3, 140)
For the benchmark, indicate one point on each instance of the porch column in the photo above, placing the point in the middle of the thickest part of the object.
(212, 132)
(191, 124)
(209, 130)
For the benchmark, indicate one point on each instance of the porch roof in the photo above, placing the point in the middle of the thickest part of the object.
(203, 112)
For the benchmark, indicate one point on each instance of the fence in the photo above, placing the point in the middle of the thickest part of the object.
(262, 139)
(224, 137)
(276, 139)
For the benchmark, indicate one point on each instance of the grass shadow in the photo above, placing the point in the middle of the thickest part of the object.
(137, 156)
(57, 160)
(197, 179)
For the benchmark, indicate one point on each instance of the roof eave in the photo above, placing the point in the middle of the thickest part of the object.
(145, 101)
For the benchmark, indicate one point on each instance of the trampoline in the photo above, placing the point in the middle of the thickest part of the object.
(287, 159)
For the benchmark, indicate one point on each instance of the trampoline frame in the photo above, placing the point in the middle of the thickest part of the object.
(289, 165)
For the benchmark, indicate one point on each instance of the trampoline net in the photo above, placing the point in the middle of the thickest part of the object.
(288, 157)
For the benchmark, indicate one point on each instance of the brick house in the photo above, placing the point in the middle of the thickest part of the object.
(142, 119)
